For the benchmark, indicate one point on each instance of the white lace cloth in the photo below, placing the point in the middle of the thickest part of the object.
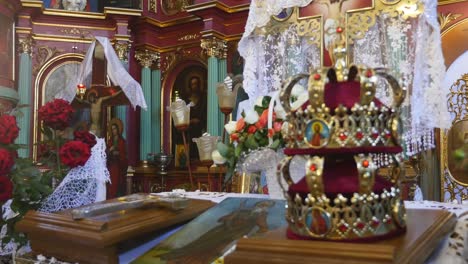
(115, 70)
(83, 184)
(410, 48)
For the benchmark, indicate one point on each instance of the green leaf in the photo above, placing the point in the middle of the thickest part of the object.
(266, 101)
(251, 143)
(238, 150)
(275, 144)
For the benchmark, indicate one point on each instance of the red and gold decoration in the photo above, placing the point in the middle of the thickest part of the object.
(341, 132)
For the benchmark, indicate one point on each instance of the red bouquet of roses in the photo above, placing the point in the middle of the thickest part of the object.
(6, 161)
(75, 153)
(85, 137)
(56, 114)
(8, 129)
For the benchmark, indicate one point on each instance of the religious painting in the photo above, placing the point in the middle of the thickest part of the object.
(73, 5)
(214, 232)
(252, 182)
(317, 133)
(333, 14)
(284, 14)
(172, 7)
(190, 86)
(6, 48)
(318, 221)
(180, 157)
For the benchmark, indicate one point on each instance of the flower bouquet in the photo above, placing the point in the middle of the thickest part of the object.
(251, 132)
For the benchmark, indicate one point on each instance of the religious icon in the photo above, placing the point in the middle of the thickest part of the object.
(457, 140)
(190, 86)
(6, 48)
(317, 133)
(95, 103)
(214, 232)
(172, 7)
(116, 159)
(180, 157)
(318, 221)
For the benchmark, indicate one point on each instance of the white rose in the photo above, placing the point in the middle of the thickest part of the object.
(280, 113)
(251, 117)
(259, 101)
(301, 99)
(230, 127)
(297, 90)
(217, 158)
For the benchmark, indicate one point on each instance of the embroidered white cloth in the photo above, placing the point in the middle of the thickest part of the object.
(410, 49)
(117, 73)
(83, 184)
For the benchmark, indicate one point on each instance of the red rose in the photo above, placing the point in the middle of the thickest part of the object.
(277, 126)
(6, 161)
(56, 114)
(74, 153)
(9, 130)
(85, 137)
(6, 189)
(251, 129)
(234, 137)
(240, 124)
(271, 132)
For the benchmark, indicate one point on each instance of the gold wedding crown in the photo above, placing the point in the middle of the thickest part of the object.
(341, 131)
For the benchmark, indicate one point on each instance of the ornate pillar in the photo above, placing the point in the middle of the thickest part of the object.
(122, 48)
(222, 73)
(156, 119)
(146, 58)
(215, 49)
(24, 91)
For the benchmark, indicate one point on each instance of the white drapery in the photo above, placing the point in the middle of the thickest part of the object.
(409, 48)
(118, 75)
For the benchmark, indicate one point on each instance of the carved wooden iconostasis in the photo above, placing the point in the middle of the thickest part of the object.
(170, 30)
(453, 17)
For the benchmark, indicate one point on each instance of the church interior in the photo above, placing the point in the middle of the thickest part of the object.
(234, 131)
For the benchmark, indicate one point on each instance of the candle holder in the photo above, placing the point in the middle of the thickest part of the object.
(227, 96)
(206, 144)
(180, 113)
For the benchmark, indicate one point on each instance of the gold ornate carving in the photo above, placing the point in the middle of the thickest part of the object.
(188, 37)
(75, 31)
(170, 59)
(454, 179)
(445, 19)
(147, 58)
(44, 54)
(122, 48)
(359, 21)
(152, 6)
(214, 47)
(25, 45)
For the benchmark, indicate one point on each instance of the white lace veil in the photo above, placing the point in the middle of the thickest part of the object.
(117, 73)
(83, 184)
(410, 48)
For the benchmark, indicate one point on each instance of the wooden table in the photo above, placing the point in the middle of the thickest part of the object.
(99, 239)
(426, 228)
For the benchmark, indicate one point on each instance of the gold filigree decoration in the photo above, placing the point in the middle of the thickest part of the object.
(152, 6)
(359, 22)
(44, 54)
(121, 48)
(214, 47)
(75, 31)
(170, 59)
(188, 37)
(445, 19)
(458, 98)
(25, 45)
(147, 58)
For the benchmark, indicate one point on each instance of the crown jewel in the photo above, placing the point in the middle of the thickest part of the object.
(341, 131)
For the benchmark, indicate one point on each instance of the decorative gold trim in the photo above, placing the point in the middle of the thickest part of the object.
(23, 30)
(32, 3)
(454, 25)
(25, 45)
(219, 5)
(448, 2)
(219, 35)
(169, 23)
(122, 48)
(73, 26)
(189, 37)
(445, 19)
(214, 47)
(152, 6)
(146, 58)
(43, 55)
(74, 31)
(36, 93)
(59, 38)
